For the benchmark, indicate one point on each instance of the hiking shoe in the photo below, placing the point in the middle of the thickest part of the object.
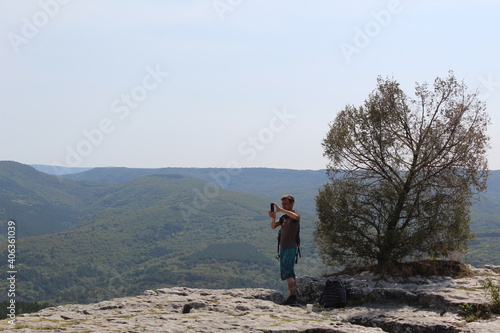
(291, 300)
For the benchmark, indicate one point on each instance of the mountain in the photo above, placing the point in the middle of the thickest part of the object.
(110, 232)
(58, 170)
(44, 203)
(154, 231)
(272, 183)
(265, 182)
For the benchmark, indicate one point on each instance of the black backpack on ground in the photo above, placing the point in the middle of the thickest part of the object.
(334, 295)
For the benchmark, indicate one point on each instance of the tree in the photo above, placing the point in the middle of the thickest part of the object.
(404, 173)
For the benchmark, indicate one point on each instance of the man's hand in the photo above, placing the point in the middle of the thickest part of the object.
(277, 207)
(289, 213)
(272, 215)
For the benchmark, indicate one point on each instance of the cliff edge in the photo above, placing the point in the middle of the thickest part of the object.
(376, 304)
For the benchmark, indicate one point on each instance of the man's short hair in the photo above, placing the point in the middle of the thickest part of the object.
(289, 197)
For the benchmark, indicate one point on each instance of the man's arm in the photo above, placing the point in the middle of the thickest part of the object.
(274, 223)
(291, 214)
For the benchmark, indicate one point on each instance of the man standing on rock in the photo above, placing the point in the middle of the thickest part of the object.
(289, 222)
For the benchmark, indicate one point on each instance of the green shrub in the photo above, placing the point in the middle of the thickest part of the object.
(493, 290)
(472, 312)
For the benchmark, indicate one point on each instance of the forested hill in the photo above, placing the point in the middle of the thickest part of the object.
(265, 182)
(104, 240)
(272, 183)
(111, 232)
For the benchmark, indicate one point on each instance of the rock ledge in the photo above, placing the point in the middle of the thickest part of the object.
(376, 304)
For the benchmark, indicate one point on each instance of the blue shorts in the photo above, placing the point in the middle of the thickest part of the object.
(287, 262)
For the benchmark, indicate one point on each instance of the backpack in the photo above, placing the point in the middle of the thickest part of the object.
(334, 295)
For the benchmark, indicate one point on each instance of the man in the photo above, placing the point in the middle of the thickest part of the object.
(289, 223)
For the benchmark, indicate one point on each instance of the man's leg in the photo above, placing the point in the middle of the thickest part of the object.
(292, 287)
(288, 274)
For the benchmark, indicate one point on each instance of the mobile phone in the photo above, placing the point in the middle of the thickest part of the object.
(272, 207)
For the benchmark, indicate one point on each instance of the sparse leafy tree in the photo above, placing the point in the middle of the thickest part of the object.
(404, 173)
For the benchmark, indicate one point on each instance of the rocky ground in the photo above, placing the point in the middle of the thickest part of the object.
(376, 304)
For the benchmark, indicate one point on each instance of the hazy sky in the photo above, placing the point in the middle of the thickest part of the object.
(221, 83)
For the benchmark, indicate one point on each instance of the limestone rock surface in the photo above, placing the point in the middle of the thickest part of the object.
(184, 310)
(376, 304)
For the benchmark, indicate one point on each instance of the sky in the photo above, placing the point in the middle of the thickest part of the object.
(222, 83)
